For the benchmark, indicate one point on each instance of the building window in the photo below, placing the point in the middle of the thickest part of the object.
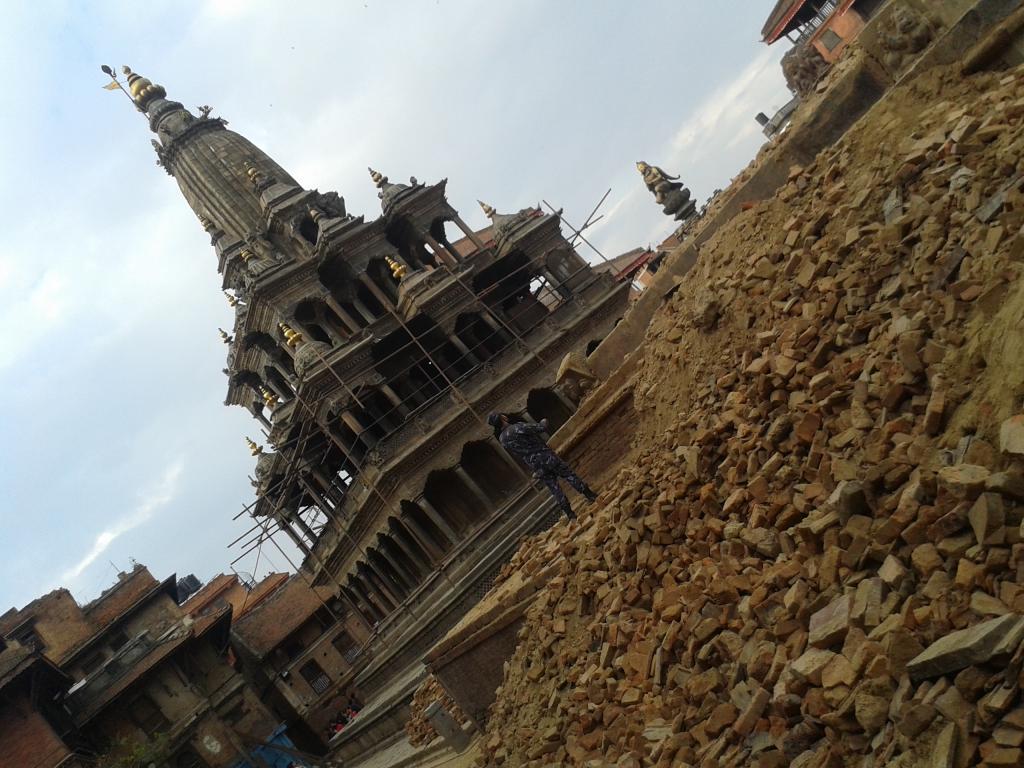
(27, 636)
(315, 676)
(830, 39)
(147, 715)
(118, 639)
(346, 646)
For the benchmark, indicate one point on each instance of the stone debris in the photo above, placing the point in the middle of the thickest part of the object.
(815, 557)
(418, 727)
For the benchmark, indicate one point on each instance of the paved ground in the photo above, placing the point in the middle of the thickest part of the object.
(401, 754)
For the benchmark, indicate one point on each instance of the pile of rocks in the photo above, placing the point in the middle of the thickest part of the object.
(418, 728)
(817, 558)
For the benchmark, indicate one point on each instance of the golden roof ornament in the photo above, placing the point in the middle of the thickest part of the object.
(245, 255)
(379, 179)
(269, 398)
(398, 270)
(292, 337)
(225, 337)
(141, 89)
(232, 300)
(489, 212)
(254, 448)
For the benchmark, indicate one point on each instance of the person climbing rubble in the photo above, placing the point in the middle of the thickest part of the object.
(524, 441)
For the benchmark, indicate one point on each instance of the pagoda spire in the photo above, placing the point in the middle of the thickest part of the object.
(218, 171)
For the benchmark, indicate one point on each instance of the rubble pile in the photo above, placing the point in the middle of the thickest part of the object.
(817, 558)
(418, 728)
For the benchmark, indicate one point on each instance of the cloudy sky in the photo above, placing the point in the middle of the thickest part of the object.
(115, 441)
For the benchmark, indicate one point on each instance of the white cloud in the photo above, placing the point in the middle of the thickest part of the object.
(729, 108)
(162, 494)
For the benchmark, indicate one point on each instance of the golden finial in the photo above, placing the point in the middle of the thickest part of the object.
(489, 212)
(142, 89)
(398, 271)
(256, 176)
(232, 300)
(254, 449)
(269, 398)
(291, 337)
(378, 178)
(245, 255)
(224, 336)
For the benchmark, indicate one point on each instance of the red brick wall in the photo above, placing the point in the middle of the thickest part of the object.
(26, 739)
(846, 25)
(59, 622)
(119, 598)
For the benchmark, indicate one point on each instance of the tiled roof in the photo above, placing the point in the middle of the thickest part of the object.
(626, 264)
(464, 246)
(207, 593)
(781, 18)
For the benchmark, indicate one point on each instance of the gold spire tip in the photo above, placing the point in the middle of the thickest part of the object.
(379, 179)
(489, 212)
(254, 448)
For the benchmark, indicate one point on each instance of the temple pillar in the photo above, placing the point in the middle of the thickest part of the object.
(362, 588)
(468, 232)
(509, 461)
(296, 539)
(350, 322)
(407, 543)
(363, 310)
(466, 352)
(355, 607)
(440, 251)
(431, 549)
(380, 581)
(327, 507)
(438, 519)
(393, 398)
(412, 579)
(304, 527)
(345, 449)
(372, 287)
(475, 490)
(352, 422)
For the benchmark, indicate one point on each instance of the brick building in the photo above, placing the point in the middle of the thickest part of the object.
(123, 669)
(301, 657)
(371, 351)
(828, 26)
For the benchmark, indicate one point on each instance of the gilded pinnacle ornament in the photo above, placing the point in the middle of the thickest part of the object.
(291, 337)
(398, 271)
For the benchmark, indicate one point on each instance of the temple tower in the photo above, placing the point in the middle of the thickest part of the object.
(371, 351)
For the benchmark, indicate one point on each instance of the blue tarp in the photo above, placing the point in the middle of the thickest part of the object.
(271, 756)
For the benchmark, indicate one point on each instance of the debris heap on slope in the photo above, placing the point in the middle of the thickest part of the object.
(817, 559)
(418, 728)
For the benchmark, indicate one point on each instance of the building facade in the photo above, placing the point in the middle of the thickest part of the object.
(371, 351)
(128, 669)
